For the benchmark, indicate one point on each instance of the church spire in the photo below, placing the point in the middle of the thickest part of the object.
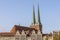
(38, 16)
(33, 16)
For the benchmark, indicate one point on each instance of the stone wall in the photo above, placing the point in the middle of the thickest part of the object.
(23, 36)
(7, 38)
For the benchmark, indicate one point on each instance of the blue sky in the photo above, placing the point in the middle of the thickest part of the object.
(20, 12)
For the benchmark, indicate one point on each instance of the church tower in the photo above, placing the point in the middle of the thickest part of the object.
(33, 16)
(38, 16)
(36, 22)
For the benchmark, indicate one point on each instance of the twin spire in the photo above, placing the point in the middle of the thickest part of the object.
(33, 16)
(36, 21)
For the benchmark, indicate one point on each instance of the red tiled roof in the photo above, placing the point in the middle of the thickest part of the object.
(6, 34)
(47, 35)
(14, 29)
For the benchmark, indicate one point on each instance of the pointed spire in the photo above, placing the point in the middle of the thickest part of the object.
(38, 16)
(33, 16)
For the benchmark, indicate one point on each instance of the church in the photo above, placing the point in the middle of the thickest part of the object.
(33, 32)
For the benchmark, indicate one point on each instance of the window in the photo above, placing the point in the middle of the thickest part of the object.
(17, 37)
(23, 37)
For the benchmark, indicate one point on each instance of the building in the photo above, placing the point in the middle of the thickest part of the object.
(56, 35)
(34, 32)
